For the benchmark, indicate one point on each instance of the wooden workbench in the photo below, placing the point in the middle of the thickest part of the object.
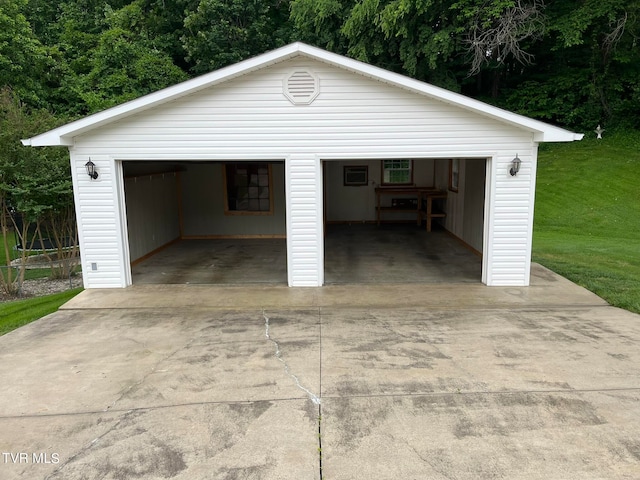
(424, 197)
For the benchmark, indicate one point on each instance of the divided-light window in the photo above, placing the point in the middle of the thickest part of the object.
(397, 172)
(248, 189)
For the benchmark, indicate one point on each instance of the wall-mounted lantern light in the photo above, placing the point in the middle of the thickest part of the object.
(91, 169)
(515, 166)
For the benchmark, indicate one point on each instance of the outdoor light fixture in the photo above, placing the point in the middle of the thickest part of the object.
(91, 169)
(515, 166)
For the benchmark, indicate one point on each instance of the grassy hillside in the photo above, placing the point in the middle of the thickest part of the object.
(587, 218)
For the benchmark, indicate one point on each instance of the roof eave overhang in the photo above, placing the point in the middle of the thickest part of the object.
(46, 140)
(64, 136)
(560, 136)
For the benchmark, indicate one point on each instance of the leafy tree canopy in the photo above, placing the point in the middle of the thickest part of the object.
(24, 60)
(570, 62)
(125, 64)
(32, 181)
(221, 32)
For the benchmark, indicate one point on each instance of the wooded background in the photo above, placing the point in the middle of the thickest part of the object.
(575, 63)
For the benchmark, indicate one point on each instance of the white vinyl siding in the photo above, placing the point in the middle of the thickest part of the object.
(512, 220)
(305, 245)
(99, 224)
(353, 117)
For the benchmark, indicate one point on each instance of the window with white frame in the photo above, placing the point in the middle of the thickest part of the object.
(397, 172)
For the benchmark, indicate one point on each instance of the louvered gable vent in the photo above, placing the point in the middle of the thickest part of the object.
(301, 87)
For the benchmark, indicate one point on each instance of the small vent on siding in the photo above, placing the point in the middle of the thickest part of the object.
(301, 87)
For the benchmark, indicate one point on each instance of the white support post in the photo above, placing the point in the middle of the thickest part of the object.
(305, 236)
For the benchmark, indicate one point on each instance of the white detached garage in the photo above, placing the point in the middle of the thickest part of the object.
(252, 150)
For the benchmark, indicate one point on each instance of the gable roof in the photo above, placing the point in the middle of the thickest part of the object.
(543, 132)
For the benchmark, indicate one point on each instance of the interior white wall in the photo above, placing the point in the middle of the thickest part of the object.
(203, 213)
(358, 203)
(474, 192)
(152, 212)
(465, 208)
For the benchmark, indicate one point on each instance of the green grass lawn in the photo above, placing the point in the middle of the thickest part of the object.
(587, 217)
(20, 312)
(16, 313)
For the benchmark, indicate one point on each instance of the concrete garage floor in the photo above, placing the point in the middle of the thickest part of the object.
(407, 381)
(354, 254)
(396, 253)
(215, 262)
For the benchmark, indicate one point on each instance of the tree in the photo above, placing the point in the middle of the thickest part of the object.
(497, 35)
(35, 187)
(572, 62)
(164, 23)
(222, 32)
(414, 37)
(319, 22)
(587, 69)
(124, 63)
(604, 36)
(24, 61)
(438, 41)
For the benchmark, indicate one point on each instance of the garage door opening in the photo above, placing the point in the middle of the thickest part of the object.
(397, 253)
(205, 222)
(428, 228)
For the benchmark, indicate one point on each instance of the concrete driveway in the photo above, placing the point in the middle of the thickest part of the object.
(350, 382)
